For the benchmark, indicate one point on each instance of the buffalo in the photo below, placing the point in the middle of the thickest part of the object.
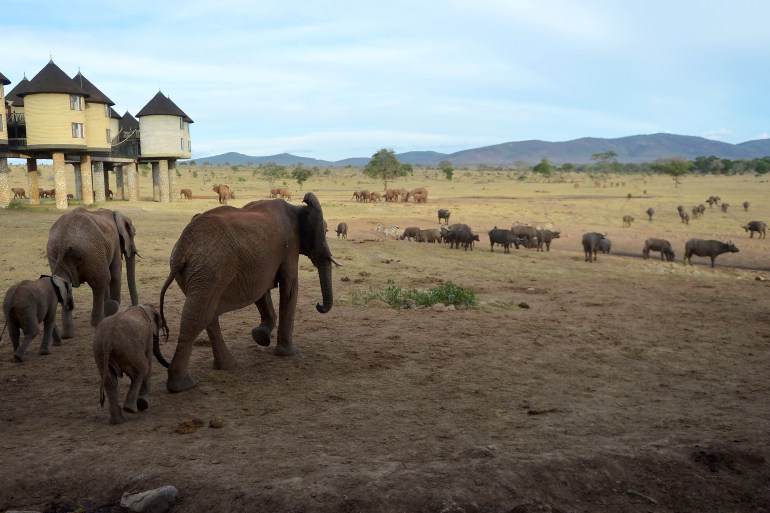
(756, 226)
(591, 241)
(650, 213)
(410, 233)
(545, 237)
(503, 237)
(342, 230)
(709, 248)
(662, 245)
(429, 235)
(443, 214)
(627, 220)
(457, 234)
(527, 234)
(746, 206)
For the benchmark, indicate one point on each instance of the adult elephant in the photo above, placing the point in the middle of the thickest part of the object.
(419, 195)
(185, 194)
(228, 258)
(223, 191)
(89, 246)
(18, 192)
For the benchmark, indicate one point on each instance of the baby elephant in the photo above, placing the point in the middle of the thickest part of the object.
(125, 343)
(28, 303)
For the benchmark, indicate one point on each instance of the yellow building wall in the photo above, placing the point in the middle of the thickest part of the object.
(114, 127)
(96, 127)
(162, 137)
(4, 126)
(49, 122)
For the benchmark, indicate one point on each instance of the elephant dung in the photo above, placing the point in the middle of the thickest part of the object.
(159, 500)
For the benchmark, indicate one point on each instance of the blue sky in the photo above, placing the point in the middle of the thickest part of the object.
(336, 79)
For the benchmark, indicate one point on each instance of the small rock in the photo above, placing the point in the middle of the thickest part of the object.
(760, 278)
(523, 305)
(216, 423)
(439, 307)
(159, 500)
(345, 278)
(450, 308)
(530, 289)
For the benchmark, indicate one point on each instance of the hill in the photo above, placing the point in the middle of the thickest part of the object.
(631, 149)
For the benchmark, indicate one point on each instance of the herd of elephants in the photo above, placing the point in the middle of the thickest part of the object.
(227, 258)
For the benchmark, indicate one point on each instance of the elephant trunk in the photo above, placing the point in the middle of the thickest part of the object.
(131, 278)
(325, 276)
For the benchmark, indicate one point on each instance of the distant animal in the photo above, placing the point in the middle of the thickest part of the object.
(709, 248)
(223, 191)
(545, 237)
(70, 196)
(284, 193)
(650, 213)
(713, 200)
(125, 344)
(429, 235)
(627, 220)
(419, 195)
(375, 196)
(231, 195)
(683, 215)
(591, 242)
(27, 304)
(18, 192)
(662, 245)
(443, 214)
(110, 194)
(342, 230)
(388, 231)
(527, 234)
(274, 193)
(756, 226)
(503, 237)
(185, 194)
(410, 233)
(605, 245)
(746, 206)
(725, 206)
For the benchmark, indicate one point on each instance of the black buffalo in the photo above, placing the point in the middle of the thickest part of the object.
(545, 237)
(756, 226)
(709, 248)
(443, 214)
(662, 245)
(591, 241)
(503, 237)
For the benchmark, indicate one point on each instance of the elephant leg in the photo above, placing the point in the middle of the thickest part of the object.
(48, 327)
(223, 360)
(111, 391)
(57, 339)
(116, 267)
(31, 330)
(197, 314)
(261, 334)
(97, 308)
(288, 304)
(143, 401)
(14, 331)
(133, 393)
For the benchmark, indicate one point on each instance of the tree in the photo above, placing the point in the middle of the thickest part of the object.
(385, 165)
(675, 168)
(301, 174)
(273, 172)
(544, 168)
(447, 168)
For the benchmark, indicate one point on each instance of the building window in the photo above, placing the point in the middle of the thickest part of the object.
(77, 130)
(181, 123)
(1, 122)
(106, 110)
(109, 136)
(76, 102)
(181, 143)
(189, 146)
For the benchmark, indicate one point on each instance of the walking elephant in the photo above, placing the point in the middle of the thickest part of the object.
(18, 192)
(27, 304)
(227, 258)
(224, 193)
(89, 246)
(185, 194)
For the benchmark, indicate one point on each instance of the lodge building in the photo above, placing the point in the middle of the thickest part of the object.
(69, 121)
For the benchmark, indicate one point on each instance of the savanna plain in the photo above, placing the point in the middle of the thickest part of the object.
(624, 385)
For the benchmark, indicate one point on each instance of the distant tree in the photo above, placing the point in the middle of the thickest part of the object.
(192, 163)
(407, 169)
(447, 168)
(273, 172)
(384, 165)
(300, 173)
(606, 162)
(544, 167)
(676, 168)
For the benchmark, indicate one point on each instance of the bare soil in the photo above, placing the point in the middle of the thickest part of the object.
(622, 385)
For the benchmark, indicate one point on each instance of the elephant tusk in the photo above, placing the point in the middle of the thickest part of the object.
(335, 261)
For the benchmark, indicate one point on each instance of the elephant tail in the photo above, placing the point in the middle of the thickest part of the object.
(175, 270)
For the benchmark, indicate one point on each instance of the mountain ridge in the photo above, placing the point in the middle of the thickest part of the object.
(629, 149)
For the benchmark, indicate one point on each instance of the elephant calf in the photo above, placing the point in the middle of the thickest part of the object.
(125, 343)
(27, 303)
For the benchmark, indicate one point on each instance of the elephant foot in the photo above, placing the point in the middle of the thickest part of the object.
(67, 334)
(261, 335)
(19, 357)
(117, 420)
(143, 403)
(227, 363)
(96, 319)
(130, 408)
(111, 307)
(44, 350)
(180, 384)
(285, 350)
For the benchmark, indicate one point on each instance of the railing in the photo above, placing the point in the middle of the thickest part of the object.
(127, 147)
(16, 143)
(16, 118)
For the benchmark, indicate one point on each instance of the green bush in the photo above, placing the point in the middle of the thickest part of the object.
(395, 296)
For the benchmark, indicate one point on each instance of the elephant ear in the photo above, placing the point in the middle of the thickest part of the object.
(63, 292)
(127, 232)
(312, 231)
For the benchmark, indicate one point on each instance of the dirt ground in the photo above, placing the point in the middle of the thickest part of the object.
(622, 385)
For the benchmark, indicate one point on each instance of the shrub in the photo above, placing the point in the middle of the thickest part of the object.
(395, 296)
